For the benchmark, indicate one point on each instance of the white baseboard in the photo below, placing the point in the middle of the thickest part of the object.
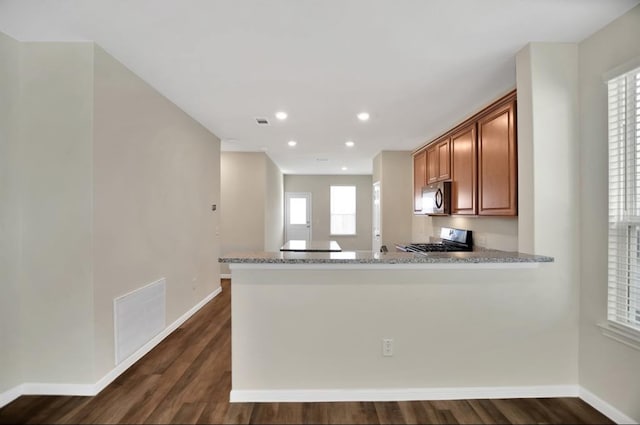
(605, 408)
(10, 395)
(34, 388)
(93, 389)
(225, 276)
(403, 394)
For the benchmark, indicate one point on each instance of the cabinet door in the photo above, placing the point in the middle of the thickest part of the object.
(463, 171)
(432, 164)
(444, 160)
(419, 179)
(497, 162)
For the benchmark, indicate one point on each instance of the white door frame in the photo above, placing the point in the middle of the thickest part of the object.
(287, 196)
(376, 233)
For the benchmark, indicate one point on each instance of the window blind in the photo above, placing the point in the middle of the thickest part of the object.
(624, 200)
(343, 210)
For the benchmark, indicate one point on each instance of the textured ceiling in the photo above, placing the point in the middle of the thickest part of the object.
(417, 67)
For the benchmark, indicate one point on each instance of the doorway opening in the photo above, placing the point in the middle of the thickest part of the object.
(297, 216)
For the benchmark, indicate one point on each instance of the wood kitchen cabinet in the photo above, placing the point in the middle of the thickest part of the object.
(497, 162)
(438, 161)
(464, 171)
(479, 158)
(444, 160)
(432, 164)
(419, 178)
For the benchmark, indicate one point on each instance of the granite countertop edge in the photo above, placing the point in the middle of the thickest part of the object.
(369, 257)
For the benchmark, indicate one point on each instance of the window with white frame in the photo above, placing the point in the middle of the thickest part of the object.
(624, 200)
(343, 210)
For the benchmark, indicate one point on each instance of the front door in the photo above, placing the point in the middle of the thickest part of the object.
(297, 216)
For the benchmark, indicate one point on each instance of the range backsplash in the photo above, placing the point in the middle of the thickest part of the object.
(488, 232)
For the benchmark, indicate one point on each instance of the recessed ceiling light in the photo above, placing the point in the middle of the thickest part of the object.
(292, 143)
(363, 116)
(344, 168)
(281, 115)
(349, 143)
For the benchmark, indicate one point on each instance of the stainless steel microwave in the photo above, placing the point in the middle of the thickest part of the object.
(436, 199)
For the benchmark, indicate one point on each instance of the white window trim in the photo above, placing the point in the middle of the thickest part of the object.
(627, 334)
(622, 69)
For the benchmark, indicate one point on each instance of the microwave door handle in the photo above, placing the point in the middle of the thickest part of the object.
(438, 199)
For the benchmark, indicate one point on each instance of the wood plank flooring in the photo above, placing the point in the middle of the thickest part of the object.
(187, 379)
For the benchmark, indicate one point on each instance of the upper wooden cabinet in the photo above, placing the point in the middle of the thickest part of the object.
(497, 162)
(438, 161)
(444, 160)
(479, 157)
(419, 178)
(463, 171)
(432, 164)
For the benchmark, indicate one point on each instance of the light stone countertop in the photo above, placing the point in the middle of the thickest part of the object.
(312, 246)
(370, 257)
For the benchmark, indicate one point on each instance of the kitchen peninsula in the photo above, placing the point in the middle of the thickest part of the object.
(312, 326)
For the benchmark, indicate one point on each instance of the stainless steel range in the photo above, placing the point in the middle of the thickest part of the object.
(453, 240)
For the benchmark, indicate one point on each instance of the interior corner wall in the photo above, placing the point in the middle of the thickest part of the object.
(156, 176)
(396, 197)
(608, 368)
(319, 187)
(274, 207)
(10, 367)
(525, 151)
(55, 184)
(551, 88)
(242, 202)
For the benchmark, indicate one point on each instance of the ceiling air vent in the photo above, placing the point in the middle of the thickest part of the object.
(262, 121)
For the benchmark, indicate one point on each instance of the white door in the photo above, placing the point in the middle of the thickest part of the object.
(377, 232)
(297, 216)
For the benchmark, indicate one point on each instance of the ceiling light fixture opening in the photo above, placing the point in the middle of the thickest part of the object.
(292, 143)
(344, 168)
(281, 115)
(349, 143)
(363, 116)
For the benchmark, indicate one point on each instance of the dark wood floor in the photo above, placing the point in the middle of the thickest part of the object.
(187, 379)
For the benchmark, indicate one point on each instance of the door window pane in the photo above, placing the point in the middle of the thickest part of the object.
(297, 211)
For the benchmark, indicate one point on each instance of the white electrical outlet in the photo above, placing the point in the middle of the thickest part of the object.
(387, 347)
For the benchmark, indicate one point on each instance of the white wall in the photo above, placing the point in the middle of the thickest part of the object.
(105, 187)
(393, 169)
(10, 370)
(455, 328)
(252, 202)
(547, 79)
(319, 186)
(608, 368)
(156, 175)
(56, 98)
(274, 207)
